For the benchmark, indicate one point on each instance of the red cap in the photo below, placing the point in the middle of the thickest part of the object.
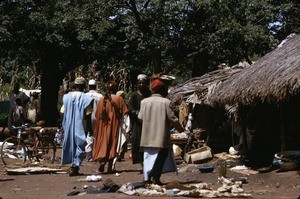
(156, 85)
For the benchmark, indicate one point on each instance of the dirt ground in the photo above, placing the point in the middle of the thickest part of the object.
(274, 184)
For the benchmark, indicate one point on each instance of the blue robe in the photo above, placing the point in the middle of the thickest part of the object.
(74, 132)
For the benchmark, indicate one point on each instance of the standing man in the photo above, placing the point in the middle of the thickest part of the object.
(110, 111)
(134, 108)
(77, 109)
(90, 137)
(156, 116)
(24, 99)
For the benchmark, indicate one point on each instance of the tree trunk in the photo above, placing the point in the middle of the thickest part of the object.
(156, 60)
(50, 82)
(200, 65)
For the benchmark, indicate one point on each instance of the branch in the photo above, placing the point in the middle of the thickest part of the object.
(143, 26)
(146, 4)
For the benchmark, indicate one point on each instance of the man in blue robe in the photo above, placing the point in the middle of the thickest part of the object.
(76, 123)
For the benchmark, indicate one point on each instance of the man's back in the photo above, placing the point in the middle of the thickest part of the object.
(154, 113)
(96, 96)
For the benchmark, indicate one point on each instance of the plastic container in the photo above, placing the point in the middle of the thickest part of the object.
(172, 191)
(58, 137)
(22, 153)
(206, 169)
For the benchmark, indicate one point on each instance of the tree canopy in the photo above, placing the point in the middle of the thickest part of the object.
(184, 37)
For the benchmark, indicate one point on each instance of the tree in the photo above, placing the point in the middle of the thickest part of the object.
(184, 37)
(59, 35)
(184, 34)
(286, 20)
(200, 34)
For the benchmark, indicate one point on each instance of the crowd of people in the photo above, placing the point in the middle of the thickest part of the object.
(96, 126)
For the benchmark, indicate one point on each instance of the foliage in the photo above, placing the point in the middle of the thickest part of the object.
(3, 116)
(121, 38)
(147, 36)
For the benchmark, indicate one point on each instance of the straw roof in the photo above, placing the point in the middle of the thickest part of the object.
(196, 89)
(274, 78)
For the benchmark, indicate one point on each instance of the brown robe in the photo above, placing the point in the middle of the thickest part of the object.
(106, 132)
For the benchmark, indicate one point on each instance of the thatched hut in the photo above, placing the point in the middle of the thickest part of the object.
(268, 96)
(195, 92)
(274, 78)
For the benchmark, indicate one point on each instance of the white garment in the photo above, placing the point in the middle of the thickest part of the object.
(150, 155)
(96, 96)
(124, 128)
(90, 139)
(89, 143)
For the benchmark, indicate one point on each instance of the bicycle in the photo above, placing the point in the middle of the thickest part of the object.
(39, 146)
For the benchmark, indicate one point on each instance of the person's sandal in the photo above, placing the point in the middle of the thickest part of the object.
(74, 171)
(111, 171)
(101, 168)
(157, 182)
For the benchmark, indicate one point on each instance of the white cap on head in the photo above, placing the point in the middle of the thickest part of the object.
(92, 82)
(141, 77)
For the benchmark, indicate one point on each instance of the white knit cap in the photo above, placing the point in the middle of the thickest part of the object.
(141, 77)
(92, 82)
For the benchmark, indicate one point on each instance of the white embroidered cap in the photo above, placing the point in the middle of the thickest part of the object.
(92, 82)
(141, 77)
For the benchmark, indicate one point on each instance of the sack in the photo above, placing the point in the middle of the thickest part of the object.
(200, 155)
(176, 150)
(31, 115)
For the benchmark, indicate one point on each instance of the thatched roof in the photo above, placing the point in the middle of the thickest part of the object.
(196, 89)
(274, 78)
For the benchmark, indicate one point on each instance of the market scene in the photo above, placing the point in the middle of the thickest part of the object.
(115, 109)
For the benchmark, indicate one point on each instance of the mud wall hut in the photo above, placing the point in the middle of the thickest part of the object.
(268, 97)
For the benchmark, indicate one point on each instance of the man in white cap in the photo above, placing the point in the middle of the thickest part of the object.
(75, 105)
(134, 108)
(90, 138)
